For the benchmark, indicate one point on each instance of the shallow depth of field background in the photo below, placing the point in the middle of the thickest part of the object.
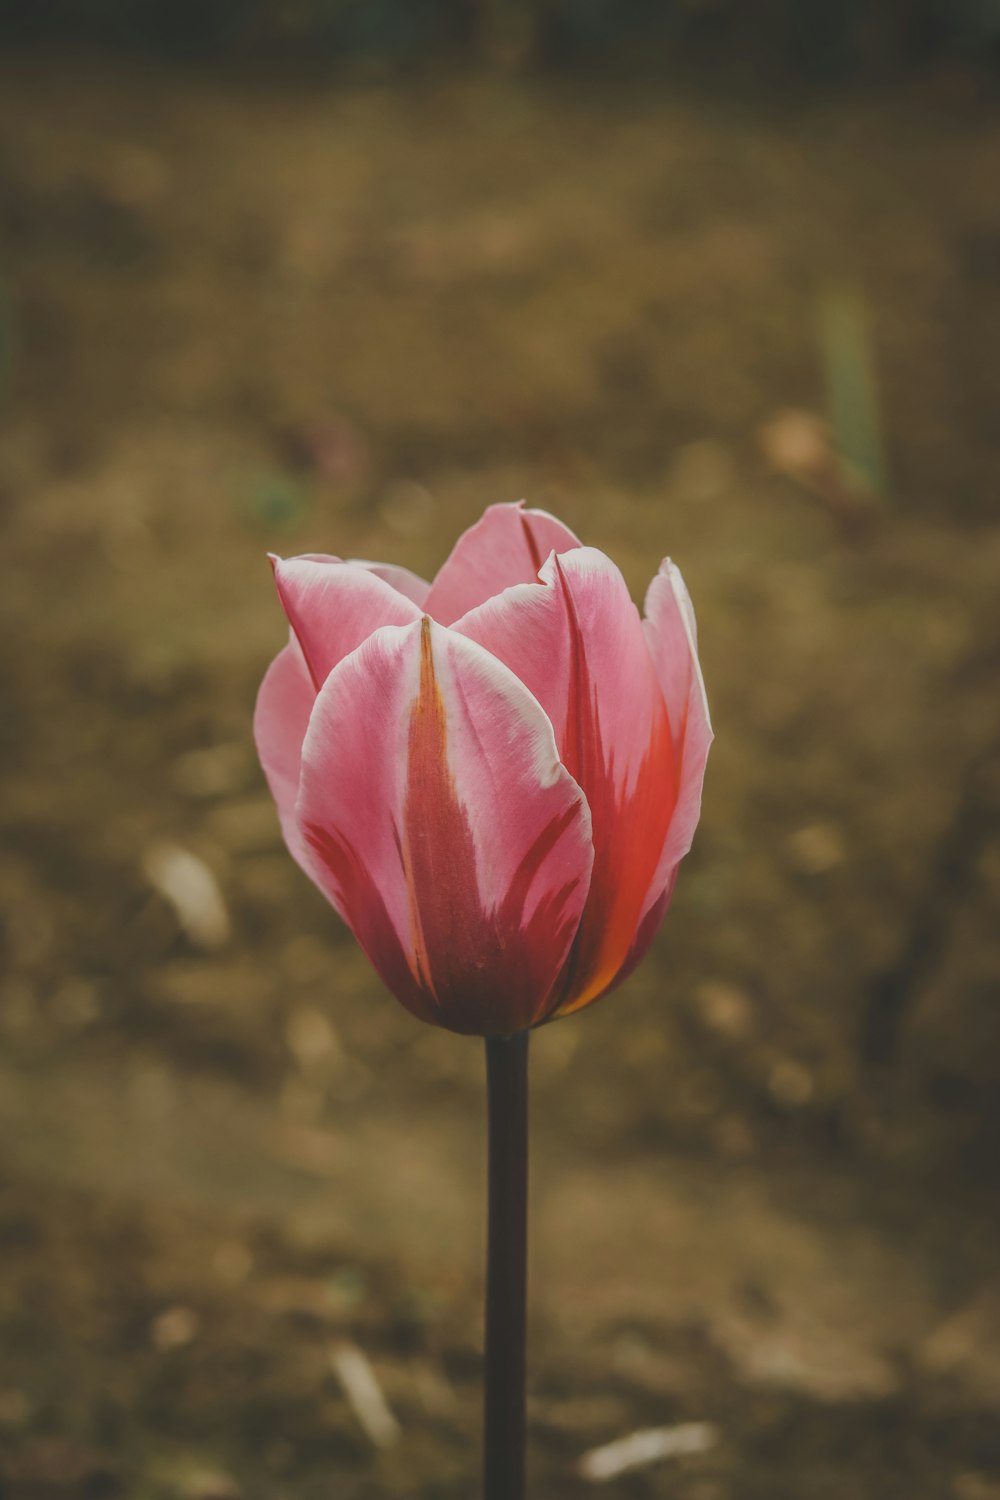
(714, 280)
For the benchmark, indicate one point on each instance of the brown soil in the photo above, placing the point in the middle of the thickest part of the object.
(238, 318)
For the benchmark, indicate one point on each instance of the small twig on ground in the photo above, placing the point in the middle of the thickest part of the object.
(360, 1385)
(646, 1447)
(188, 885)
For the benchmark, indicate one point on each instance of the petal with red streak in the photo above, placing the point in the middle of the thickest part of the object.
(576, 641)
(670, 631)
(333, 606)
(443, 824)
(506, 546)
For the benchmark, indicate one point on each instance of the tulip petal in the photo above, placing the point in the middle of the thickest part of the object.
(410, 585)
(441, 822)
(507, 546)
(281, 718)
(333, 606)
(648, 928)
(577, 643)
(671, 632)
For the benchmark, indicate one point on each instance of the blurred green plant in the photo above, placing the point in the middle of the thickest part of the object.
(269, 499)
(851, 387)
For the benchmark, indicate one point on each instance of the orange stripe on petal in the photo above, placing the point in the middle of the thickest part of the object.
(439, 857)
(629, 833)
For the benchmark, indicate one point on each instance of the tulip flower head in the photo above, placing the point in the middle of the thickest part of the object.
(492, 777)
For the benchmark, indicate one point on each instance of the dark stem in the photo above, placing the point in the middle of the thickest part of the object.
(506, 1267)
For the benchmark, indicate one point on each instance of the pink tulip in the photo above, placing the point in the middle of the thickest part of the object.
(493, 777)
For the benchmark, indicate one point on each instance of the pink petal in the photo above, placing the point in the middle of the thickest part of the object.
(671, 634)
(577, 643)
(670, 631)
(443, 825)
(508, 545)
(673, 644)
(410, 585)
(333, 606)
(281, 718)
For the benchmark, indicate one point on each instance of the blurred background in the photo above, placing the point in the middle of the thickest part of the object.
(713, 279)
